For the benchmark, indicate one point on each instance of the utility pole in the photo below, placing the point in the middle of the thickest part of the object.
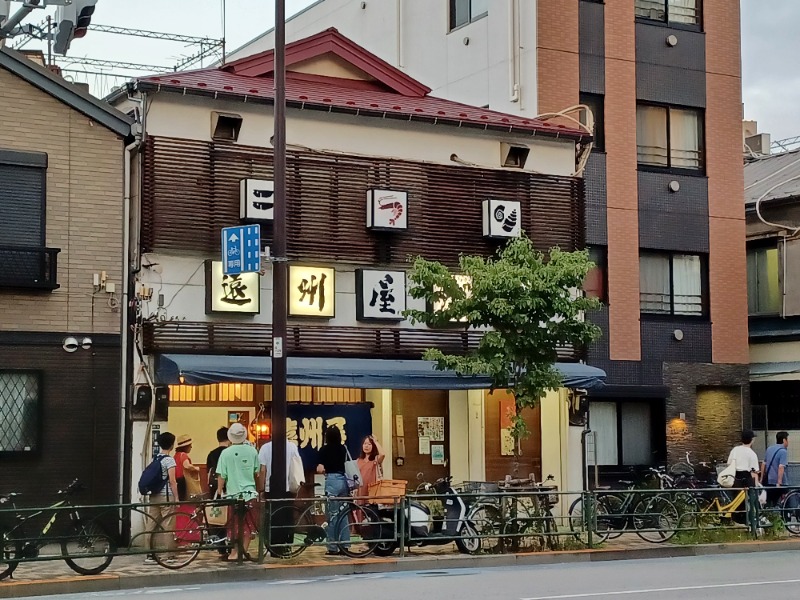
(280, 270)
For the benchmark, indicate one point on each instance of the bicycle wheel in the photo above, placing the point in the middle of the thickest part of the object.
(358, 529)
(486, 519)
(790, 512)
(577, 522)
(89, 551)
(12, 550)
(293, 530)
(655, 519)
(177, 539)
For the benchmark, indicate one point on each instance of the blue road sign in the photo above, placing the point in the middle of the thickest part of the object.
(241, 249)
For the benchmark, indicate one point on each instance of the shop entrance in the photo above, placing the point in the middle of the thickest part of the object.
(417, 413)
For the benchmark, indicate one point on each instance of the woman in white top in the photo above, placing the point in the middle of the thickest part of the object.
(746, 461)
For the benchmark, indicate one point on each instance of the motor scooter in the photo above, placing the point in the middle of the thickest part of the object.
(423, 528)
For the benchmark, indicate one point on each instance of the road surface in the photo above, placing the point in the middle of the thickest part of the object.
(728, 577)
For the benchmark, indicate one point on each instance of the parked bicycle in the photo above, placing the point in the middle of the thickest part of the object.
(84, 546)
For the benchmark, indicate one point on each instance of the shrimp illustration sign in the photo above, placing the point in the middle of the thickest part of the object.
(380, 295)
(238, 293)
(312, 291)
(502, 218)
(387, 210)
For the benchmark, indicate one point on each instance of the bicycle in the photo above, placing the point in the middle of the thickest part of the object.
(87, 538)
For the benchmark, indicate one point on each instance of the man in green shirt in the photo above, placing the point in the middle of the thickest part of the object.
(237, 469)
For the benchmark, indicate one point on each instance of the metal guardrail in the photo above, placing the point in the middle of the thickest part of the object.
(484, 520)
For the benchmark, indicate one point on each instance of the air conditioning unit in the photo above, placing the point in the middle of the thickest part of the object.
(256, 200)
(387, 210)
(502, 218)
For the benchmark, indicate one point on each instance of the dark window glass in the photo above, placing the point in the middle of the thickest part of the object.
(684, 12)
(596, 103)
(19, 411)
(763, 285)
(466, 11)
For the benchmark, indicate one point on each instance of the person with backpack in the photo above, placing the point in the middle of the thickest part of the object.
(773, 469)
(158, 485)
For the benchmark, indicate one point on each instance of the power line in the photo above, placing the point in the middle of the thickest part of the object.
(157, 35)
(112, 64)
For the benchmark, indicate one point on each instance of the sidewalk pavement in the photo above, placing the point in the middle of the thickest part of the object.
(130, 572)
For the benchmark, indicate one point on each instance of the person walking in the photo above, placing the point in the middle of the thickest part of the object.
(332, 457)
(369, 463)
(746, 461)
(237, 470)
(157, 507)
(773, 469)
(216, 533)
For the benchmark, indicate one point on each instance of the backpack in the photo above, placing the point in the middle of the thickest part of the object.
(152, 480)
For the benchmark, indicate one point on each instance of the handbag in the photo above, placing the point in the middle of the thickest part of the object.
(352, 472)
(217, 515)
(297, 476)
(727, 476)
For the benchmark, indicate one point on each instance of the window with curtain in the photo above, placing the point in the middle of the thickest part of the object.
(671, 284)
(763, 283)
(466, 11)
(19, 411)
(623, 433)
(683, 12)
(668, 136)
(603, 422)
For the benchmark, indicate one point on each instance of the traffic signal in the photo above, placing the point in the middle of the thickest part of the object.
(72, 21)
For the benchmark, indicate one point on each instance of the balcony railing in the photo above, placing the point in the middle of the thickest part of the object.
(28, 267)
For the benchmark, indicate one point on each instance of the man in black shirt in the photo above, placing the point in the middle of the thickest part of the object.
(211, 468)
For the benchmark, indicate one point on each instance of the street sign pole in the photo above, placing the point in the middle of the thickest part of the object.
(277, 484)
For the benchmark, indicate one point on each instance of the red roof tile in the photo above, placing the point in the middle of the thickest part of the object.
(391, 93)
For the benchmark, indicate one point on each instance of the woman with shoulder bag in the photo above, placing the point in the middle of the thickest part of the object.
(332, 458)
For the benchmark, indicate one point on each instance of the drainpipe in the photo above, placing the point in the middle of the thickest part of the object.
(124, 306)
(513, 22)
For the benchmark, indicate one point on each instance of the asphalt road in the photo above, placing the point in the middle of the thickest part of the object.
(728, 577)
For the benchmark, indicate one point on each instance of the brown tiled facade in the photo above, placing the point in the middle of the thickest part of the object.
(669, 363)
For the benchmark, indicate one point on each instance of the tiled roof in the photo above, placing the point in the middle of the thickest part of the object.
(385, 92)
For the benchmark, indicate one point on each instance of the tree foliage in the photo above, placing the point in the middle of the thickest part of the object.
(529, 306)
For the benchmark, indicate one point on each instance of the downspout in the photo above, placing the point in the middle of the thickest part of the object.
(513, 22)
(125, 329)
(399, 34)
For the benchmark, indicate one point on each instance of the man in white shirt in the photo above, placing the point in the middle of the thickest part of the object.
(746, 461)
(265, 458)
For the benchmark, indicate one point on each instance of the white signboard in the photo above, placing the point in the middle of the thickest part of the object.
(231, 293)
(380, 295)
(312, 291)
(256, 199)
(387, 210)
(502, 218)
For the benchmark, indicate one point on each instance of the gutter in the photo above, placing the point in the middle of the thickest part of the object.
(383, 114)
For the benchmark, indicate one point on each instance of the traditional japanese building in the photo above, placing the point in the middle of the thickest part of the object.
(378, 170)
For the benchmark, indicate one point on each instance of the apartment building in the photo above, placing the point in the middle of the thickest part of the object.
(664, 212)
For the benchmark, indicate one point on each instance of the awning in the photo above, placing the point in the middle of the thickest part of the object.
(199, 369)
(771, 369)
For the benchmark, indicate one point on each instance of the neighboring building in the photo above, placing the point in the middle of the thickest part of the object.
(664, 215)
(61, 215)
(378, 170)
(773, 285)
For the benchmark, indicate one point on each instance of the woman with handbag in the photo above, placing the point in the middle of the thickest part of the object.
(188, 477)
(369, 463)
(332, 458)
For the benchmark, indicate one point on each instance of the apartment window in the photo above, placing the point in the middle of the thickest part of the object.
(763, 287)
(466, 11)
(20, 410)
(682, 12)
(671, 284)
(22, 196)
(623, 433)
(595, 284)
(668, 136)
(596, 103)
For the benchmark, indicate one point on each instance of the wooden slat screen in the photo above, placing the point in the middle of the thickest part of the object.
(191, 191)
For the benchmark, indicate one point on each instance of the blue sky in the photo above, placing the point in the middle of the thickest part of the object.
(771, 79)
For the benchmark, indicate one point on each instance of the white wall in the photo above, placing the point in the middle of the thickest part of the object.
(189, 117)
(413, 36)
(776, 352)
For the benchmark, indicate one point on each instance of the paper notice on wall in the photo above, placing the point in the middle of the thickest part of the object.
(424, 445)
(437, 429)
(437, 454)
(424, 427)
(398, 426)
(506, 443)
(401, 447)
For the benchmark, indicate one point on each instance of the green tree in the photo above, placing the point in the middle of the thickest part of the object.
(529, 306)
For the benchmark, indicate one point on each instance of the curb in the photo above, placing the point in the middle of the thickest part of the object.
(277, 571)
